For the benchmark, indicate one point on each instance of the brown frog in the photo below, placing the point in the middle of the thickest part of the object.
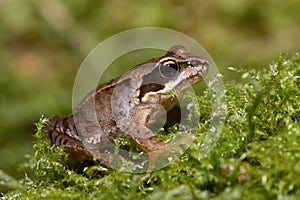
(127, 106)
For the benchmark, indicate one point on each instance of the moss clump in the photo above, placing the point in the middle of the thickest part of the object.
(256, 157)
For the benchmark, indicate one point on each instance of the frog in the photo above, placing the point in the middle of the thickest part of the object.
(127, 106)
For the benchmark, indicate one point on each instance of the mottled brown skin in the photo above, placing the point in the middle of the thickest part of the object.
(126, 106)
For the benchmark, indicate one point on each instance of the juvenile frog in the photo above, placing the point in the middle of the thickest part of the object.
(126, 106)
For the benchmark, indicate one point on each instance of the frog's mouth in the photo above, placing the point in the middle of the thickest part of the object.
(197, 77)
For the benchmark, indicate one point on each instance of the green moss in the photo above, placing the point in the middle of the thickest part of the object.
(256, 157)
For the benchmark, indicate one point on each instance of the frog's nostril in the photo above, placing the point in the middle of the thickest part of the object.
(194, 63)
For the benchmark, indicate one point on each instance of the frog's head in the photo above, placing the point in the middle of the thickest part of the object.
(174, 72)
(178, 66)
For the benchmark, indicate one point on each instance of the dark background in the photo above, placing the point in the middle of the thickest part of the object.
(44, 42)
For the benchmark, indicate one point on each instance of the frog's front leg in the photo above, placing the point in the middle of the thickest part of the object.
(146, 139)
(143, 116)
(156, 149)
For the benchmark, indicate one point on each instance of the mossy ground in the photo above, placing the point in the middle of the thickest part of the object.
(256, 157)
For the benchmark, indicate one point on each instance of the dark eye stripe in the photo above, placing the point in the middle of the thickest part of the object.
(151, 87)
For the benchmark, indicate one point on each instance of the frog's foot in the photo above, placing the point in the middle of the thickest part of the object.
(164, 156)
(109, 159)
(167, 153)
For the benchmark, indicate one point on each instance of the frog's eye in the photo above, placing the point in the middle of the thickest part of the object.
(169, 69)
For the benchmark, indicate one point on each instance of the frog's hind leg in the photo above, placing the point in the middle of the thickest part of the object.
(62, 132)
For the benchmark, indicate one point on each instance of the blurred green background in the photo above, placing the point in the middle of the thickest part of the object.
(44, 42)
